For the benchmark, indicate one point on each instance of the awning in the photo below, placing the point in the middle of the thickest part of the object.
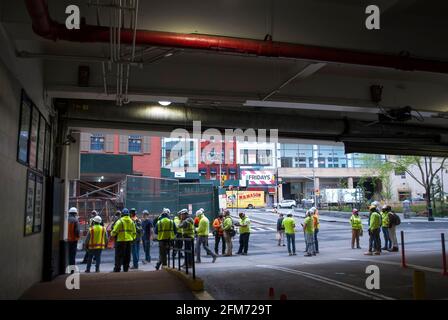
(232, 170)
(223, 170)
(202, 170)
(213, 170)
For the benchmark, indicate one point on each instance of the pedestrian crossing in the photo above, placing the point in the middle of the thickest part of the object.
(258, 229)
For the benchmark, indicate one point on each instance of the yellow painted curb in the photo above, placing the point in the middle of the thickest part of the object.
(193, 284)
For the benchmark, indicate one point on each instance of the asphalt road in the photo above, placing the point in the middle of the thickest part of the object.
(337, 272)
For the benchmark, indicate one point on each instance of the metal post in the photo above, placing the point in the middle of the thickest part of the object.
(445, 272)
(403, 257)
(187, 254)
(174, 257)
(192, 259)
(178, 259)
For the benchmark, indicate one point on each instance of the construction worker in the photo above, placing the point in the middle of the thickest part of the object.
(146, 237)
(308, 228)
(315, 215)
(244, 225)
(356, 224)
(125, 233)
(135, 247)
(73, 235)
(187, 226)
(281, 230)
(394, 221)
(229, 231)
(179, 235)
(203, 231)
(385, 227)
(165, 229)
(374, 232)
(93, 214)
(219, 233)
(110, 227)
(289, 226)
(96, 241)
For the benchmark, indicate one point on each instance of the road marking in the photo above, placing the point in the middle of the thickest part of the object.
(203, 295)
(341, 285)
(395, 264)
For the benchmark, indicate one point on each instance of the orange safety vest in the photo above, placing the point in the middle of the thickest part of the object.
(97, 237)
(217, 226)
(72, 235)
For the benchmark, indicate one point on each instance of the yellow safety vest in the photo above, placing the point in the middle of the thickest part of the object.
(356, 223)
(245, 229)
(180, 232)
(165, 229)
(188, 232)
(204, 226)
(97, 238)
(124, 229)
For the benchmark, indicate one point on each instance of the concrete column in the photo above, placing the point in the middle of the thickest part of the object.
(280, 192)
(350, 182)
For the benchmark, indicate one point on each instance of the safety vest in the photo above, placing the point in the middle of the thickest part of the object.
(355, 222)
(228, 223)
(165, 229)
(245, 229)
(73, 234)
(124, 229)
(97, 238)
(204, 226)
(188, 232)
(375, 221)
(289, 224)
(180, 232)
(309, 225)
(385, 218)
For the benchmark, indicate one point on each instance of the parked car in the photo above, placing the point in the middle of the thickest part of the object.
(287, 204)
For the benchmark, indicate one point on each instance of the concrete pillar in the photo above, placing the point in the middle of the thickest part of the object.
(280, 192)
(316, 184)
(350, 182)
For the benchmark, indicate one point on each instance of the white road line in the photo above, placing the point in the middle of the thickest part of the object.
(203, 295)
(395, 264)
(342, 285)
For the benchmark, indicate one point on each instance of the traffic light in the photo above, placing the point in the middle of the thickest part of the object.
(223, 179)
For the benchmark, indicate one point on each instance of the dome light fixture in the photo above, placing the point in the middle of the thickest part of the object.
(165, 103)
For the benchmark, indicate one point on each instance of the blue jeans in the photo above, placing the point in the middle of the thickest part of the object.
(309, 239)
(316, 243)
(147, 249)
(387, 240)
(291, 241)
(94, 253)
(135, 249)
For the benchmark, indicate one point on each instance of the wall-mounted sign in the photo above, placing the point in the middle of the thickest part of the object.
(258, 177)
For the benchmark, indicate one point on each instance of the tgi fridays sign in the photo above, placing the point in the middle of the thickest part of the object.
(258, 177)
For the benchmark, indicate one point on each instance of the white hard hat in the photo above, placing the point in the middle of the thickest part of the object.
(199, 212)
(313, 209)
(97, 219)
(166, 210)
(375, 203)
(73, 210)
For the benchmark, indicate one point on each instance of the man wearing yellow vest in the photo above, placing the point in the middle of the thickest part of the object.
(356, 223)
(385, 227)
(125, 233)
(96, 241)
(187, 226)
(178, 235)
(229, 232)
(203, 231)
(308, 228)
(165, 229)
(289, 226)
(244, 225)
(374, 232)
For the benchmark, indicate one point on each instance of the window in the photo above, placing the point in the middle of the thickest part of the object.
(135, 144)
(97, 142)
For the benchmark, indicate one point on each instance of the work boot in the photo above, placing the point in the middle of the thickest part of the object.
(377, 253)
(308, 255)
(214, 259)
(87, 271)
(97, 270)
(368, 253)
(157, 266)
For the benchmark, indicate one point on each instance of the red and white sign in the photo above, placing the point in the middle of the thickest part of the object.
(258, 177)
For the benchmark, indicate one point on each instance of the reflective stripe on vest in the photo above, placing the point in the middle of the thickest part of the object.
(97, 237)
(189, 231)
(165, 229)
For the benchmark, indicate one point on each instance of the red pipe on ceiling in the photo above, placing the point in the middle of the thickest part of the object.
(44, 26)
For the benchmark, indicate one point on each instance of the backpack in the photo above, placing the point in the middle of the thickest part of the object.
(397, 219)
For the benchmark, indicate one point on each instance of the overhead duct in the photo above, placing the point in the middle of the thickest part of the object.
(44, 26)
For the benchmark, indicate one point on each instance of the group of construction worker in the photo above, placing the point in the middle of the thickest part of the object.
(127, 232)
(286, 227)
(384, 220)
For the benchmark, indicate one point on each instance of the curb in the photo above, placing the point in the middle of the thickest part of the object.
(193, 284)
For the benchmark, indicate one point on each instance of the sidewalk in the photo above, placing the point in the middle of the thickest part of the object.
(150, 285)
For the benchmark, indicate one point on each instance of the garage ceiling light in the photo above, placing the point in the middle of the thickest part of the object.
(164, 103)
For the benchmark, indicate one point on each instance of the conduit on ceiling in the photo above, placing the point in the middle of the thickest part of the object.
(44, 26)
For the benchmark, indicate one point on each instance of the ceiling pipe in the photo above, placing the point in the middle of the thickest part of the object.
(44, 26)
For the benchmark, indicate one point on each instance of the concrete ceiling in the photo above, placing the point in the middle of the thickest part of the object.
(209, 79)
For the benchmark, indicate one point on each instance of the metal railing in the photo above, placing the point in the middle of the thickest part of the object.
(177, 247)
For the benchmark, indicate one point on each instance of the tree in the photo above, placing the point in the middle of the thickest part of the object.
(379, 170)
(428, 169)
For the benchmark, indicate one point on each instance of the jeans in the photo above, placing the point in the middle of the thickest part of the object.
(281, 237)
(387, 241)
(291, 241)
(393, 236)
(316, 243)
(97, 254)
(135, 252)
(188, 255)
(122, 255)
(147, 249)
(164, 250)
(219, 238)
(72, 247)
(202, 240)
(309, 239)
(244, 242)
(375, 240)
